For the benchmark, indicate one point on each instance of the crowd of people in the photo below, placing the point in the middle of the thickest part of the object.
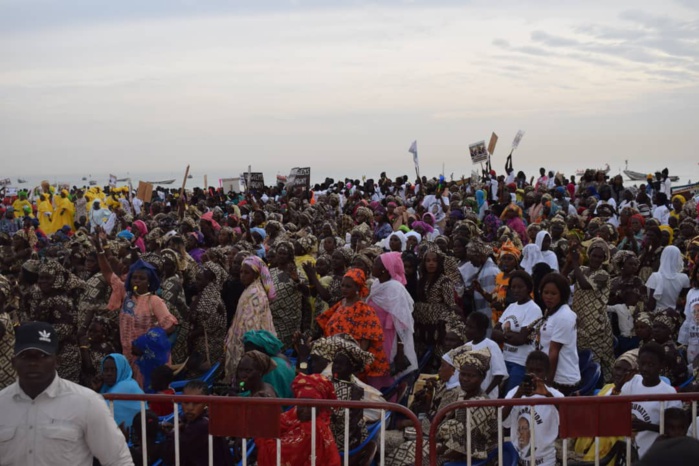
(487, 288)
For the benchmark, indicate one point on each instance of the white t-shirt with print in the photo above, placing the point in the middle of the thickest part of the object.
(545, 429)
(497, 365)
(562, 328)
(689, 332)
(432, 205)
(647, 411)
(514, 318)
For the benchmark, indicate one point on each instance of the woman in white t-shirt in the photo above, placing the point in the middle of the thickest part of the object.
(557, 334)
(668, 283)
(513, 328)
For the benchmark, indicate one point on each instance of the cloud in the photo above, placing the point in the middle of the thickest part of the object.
(553, 41)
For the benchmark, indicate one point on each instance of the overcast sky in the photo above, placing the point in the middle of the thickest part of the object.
(345, 86)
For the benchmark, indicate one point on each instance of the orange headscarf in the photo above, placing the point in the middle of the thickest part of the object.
(358, 277)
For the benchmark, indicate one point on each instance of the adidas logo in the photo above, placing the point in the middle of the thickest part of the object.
(45, 336)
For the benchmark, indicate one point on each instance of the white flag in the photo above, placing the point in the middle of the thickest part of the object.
(517, 139)
(413, 150)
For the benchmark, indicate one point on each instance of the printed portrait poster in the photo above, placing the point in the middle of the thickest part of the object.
(478, 152)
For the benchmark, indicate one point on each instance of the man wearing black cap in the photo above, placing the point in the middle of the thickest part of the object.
(47, 420)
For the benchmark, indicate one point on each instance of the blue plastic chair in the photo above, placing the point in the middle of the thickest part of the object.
(251, 448)
(178, 385)
(372, 430)
(510, 457)
(686, 382)
(589, 378)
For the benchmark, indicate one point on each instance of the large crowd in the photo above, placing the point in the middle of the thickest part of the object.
(496, 287)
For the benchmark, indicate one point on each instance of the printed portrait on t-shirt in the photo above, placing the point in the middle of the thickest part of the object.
(523, 436)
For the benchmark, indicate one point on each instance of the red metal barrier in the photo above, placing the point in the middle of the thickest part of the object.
(259, 417)
(583, 416)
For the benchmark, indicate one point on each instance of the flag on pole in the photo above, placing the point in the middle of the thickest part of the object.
(413, 150)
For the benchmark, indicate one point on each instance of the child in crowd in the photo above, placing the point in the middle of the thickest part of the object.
(194, 434)
(546, 421)
(476, 329)
(646, 414)
(625, 312)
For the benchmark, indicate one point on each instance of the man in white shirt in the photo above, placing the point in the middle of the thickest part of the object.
(476, 328)
(661, 213)
(47, 420)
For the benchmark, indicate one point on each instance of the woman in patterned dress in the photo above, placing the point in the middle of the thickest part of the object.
(7, 335)
(288, 305)
(252, 313)
(358, 319)
(208, 313)
(94, 300)
(172, 293)
(592, 285)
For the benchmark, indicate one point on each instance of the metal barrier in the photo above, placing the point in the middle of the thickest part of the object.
(585, 416)
(259, 417)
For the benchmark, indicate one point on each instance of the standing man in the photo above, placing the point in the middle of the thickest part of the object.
(47, 420)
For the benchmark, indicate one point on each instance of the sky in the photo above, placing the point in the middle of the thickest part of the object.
(346, 86)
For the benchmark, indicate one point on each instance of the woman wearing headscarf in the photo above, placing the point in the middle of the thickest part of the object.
(651, 252)
(625, 277)
(512, 216)
(500, 298)
(669, 283)
(592, 284)
(52, 301)
(117, 379)
(633, 234)
(44, 213)
(7, 334)
(666, 324)
(63, 212)
(287, 307)
(253, 311)
(152, 350)
(543, 240)
(172, 292)
(282, 375)
(395, 242)
(531, 255)
(140, 308)
(208, 314)
(358, 319)
(482, 204)
(296, 435)
(249, 376)
(139, 230)
(394, 308)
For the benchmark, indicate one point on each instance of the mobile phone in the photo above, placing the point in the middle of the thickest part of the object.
(528, 379)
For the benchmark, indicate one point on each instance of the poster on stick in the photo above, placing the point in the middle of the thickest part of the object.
(517, 139)
(256, 181)
(299, 177)
(112, 181)
(478, 152)
(491, 144)
(144, 191)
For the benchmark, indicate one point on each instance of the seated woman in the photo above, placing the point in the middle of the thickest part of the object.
(152, 350)
(296, 425)
(248, 376)
(451, 434)
(117, 379)
(281, 377)
(625, 367)
(358, 319)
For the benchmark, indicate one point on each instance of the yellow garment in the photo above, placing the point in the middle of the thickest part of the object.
(18, 206)
(113, 203)
(586, 445)
(44, 211)
(63, 214)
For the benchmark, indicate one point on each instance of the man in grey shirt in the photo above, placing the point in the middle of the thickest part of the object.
(47, 420)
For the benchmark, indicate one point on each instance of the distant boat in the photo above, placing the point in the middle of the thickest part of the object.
(21, 181)
(121, 180)
(93, 183)
(638, 176)
(5, 182)
(686, 190)
(162, 182)
(190, 176)
(84, 178)
(581, 171)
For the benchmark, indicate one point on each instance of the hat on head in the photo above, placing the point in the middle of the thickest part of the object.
(36, 335)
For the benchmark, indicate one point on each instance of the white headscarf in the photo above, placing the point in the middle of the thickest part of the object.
(671, 265)
(401, 237)
(531, 255)
(454, 379)
(392, 297)
(547, 256)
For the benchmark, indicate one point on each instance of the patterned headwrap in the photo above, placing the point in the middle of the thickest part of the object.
(511, 208)
(479, 359)
(328, 348)
(274, 226)
(5, 287)
(599, 243)
(58, 273)
(347, 255)
(264, 363)
(668, 317)
(365, 259)
(218, 255)
(477, 246)
(631, 358)
(363, 213)
(508, 247)
(363, 230)
(315, 387)
(264, 340)
(644, 318)
(307, 242)
(620, 258)
(358, 277)
(29, 237)
(258, 265)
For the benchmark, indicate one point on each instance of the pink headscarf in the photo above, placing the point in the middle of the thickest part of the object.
(394, 265)
(259, 266)
(209, 217)
(140, 225)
